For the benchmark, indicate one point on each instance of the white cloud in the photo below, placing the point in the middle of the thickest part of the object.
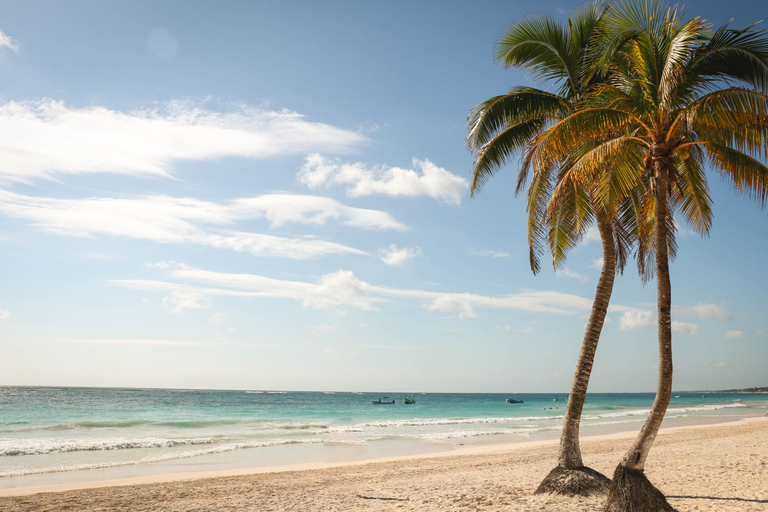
(44, 138)
(5, 315)
(490, 254)
(340, 290)
(632, 320)
(598, 264)
(166, 219)
(733, 335)
(426, 179)
(7, 41)
(393, 256)
(721, 365)
(685, 327)
(566, 272)
(704, 311)
(179, 300)
(592, 235)
(453, 304)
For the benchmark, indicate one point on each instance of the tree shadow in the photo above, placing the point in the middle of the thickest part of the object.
(382, 499)
(716, 499)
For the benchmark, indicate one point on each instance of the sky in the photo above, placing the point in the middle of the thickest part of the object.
(275, 195)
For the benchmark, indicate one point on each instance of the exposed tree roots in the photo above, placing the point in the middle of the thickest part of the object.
(581, 481)
(631, 491)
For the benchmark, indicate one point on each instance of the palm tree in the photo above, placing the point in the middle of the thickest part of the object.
(517, 122)
(676, 96)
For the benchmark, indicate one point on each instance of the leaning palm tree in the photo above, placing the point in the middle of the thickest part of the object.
(679, 96)
(518, 122)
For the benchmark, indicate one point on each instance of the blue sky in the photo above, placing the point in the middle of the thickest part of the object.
(274, 195)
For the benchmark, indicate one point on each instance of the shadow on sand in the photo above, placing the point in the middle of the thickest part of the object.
(382, 499)
(716, 499)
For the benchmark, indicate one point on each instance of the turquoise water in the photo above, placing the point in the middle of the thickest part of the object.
(48, 430)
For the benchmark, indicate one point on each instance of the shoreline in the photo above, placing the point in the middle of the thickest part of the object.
(459, 451)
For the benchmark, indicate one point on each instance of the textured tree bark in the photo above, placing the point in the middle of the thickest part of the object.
(570, 477)
(630, 490)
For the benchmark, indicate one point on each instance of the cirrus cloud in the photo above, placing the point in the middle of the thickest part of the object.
(166, 219)
(342, 290)
(46, 137)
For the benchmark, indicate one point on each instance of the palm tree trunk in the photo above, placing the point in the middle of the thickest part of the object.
(630, 490)
(570, 477)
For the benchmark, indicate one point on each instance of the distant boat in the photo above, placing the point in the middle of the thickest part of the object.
(409, 399)
(381, 401)
(556, 398)
(514, 401)
(677, 396)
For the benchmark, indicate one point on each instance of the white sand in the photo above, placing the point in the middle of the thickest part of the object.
(713, 467)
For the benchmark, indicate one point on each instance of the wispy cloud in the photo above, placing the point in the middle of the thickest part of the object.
(490, 254)
(734, 335)
(426, 179)
(394, 256)
(342, 290)
(685, 327)
(7, 41)
(5, 315)
(46, 137)
(704, 311)
(571, 274)
(166, 219)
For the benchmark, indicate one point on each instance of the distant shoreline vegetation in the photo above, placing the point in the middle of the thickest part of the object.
(746, 390)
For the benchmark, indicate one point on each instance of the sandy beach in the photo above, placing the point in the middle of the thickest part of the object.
(712, 467)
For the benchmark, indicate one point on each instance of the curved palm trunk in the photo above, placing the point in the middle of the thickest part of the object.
(630, 490)
(570, 477)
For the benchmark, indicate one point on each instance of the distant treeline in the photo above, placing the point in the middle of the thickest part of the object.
(747, 390)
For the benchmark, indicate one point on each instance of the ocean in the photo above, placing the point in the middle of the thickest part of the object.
(102, 433)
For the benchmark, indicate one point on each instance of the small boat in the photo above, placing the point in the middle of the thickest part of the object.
(514, 401)
(381, 401)
(677, 396)
(556, 398)
(409, 399)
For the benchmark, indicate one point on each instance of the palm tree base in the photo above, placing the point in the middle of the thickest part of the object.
(581, 481)
(631, 491)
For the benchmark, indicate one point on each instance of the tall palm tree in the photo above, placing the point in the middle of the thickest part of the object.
(678, 96)
(517, 122)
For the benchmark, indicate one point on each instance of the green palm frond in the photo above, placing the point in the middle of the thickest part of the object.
(747, 175)
(496, 153)
(540, 44)
(691, 194)
(488, 118)
(735, 54)
(735, 116)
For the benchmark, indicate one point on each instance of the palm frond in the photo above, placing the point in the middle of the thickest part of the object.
(540, 44)
(747, 175)
(521, 104)
(734, 54)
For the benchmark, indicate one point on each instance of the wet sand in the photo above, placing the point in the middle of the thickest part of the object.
(720, 467)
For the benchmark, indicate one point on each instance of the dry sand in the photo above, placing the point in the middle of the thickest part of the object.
(714, 467)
